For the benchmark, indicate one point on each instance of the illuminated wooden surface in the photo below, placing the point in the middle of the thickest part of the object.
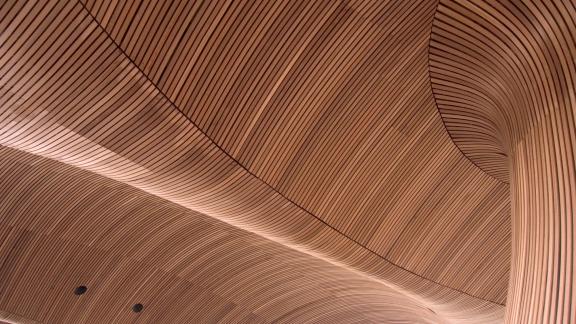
(312, 125)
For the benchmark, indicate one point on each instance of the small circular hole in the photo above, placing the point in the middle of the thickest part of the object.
(137, 308)
(80, 290)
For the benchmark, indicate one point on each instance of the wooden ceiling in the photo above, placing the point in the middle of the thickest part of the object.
(283, 161)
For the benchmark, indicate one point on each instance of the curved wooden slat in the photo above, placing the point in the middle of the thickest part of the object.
(329, 103)
(63, 227)
(504, 78)
(104, 115)
(312, 125)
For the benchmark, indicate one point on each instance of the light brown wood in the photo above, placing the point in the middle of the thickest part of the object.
(370, 141)
(504, 78)
(130, 247)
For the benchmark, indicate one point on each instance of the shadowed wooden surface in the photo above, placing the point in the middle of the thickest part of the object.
(285, 161)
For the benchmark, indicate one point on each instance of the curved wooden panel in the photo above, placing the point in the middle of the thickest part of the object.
(63, 227)
(329, 103)
(504, 78)
(310, 124)
(116, 130)
(104, 115)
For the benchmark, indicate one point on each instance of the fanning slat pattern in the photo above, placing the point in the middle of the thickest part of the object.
(288, 161)
(89, 106)
(72, 95)
(329, 103)
(504, 77)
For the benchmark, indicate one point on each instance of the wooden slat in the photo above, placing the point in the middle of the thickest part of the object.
(370, 139)
(63, 227)
(72, 94)
(334, 116)
(504, 77)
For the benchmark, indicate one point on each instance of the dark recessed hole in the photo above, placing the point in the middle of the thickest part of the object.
(80, 290)
(137, 308)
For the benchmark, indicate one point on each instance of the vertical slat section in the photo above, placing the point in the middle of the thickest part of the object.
(544, 208)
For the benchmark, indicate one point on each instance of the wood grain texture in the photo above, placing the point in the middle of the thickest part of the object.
(64, 227)
(504, 78)
(309, 130)
(336, 119)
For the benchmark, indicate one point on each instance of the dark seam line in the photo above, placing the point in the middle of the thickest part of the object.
(264, 182)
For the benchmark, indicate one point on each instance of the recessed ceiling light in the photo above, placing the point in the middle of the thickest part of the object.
(137, 308)
(80, 290)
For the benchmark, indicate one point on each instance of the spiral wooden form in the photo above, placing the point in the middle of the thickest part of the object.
(354, 161)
